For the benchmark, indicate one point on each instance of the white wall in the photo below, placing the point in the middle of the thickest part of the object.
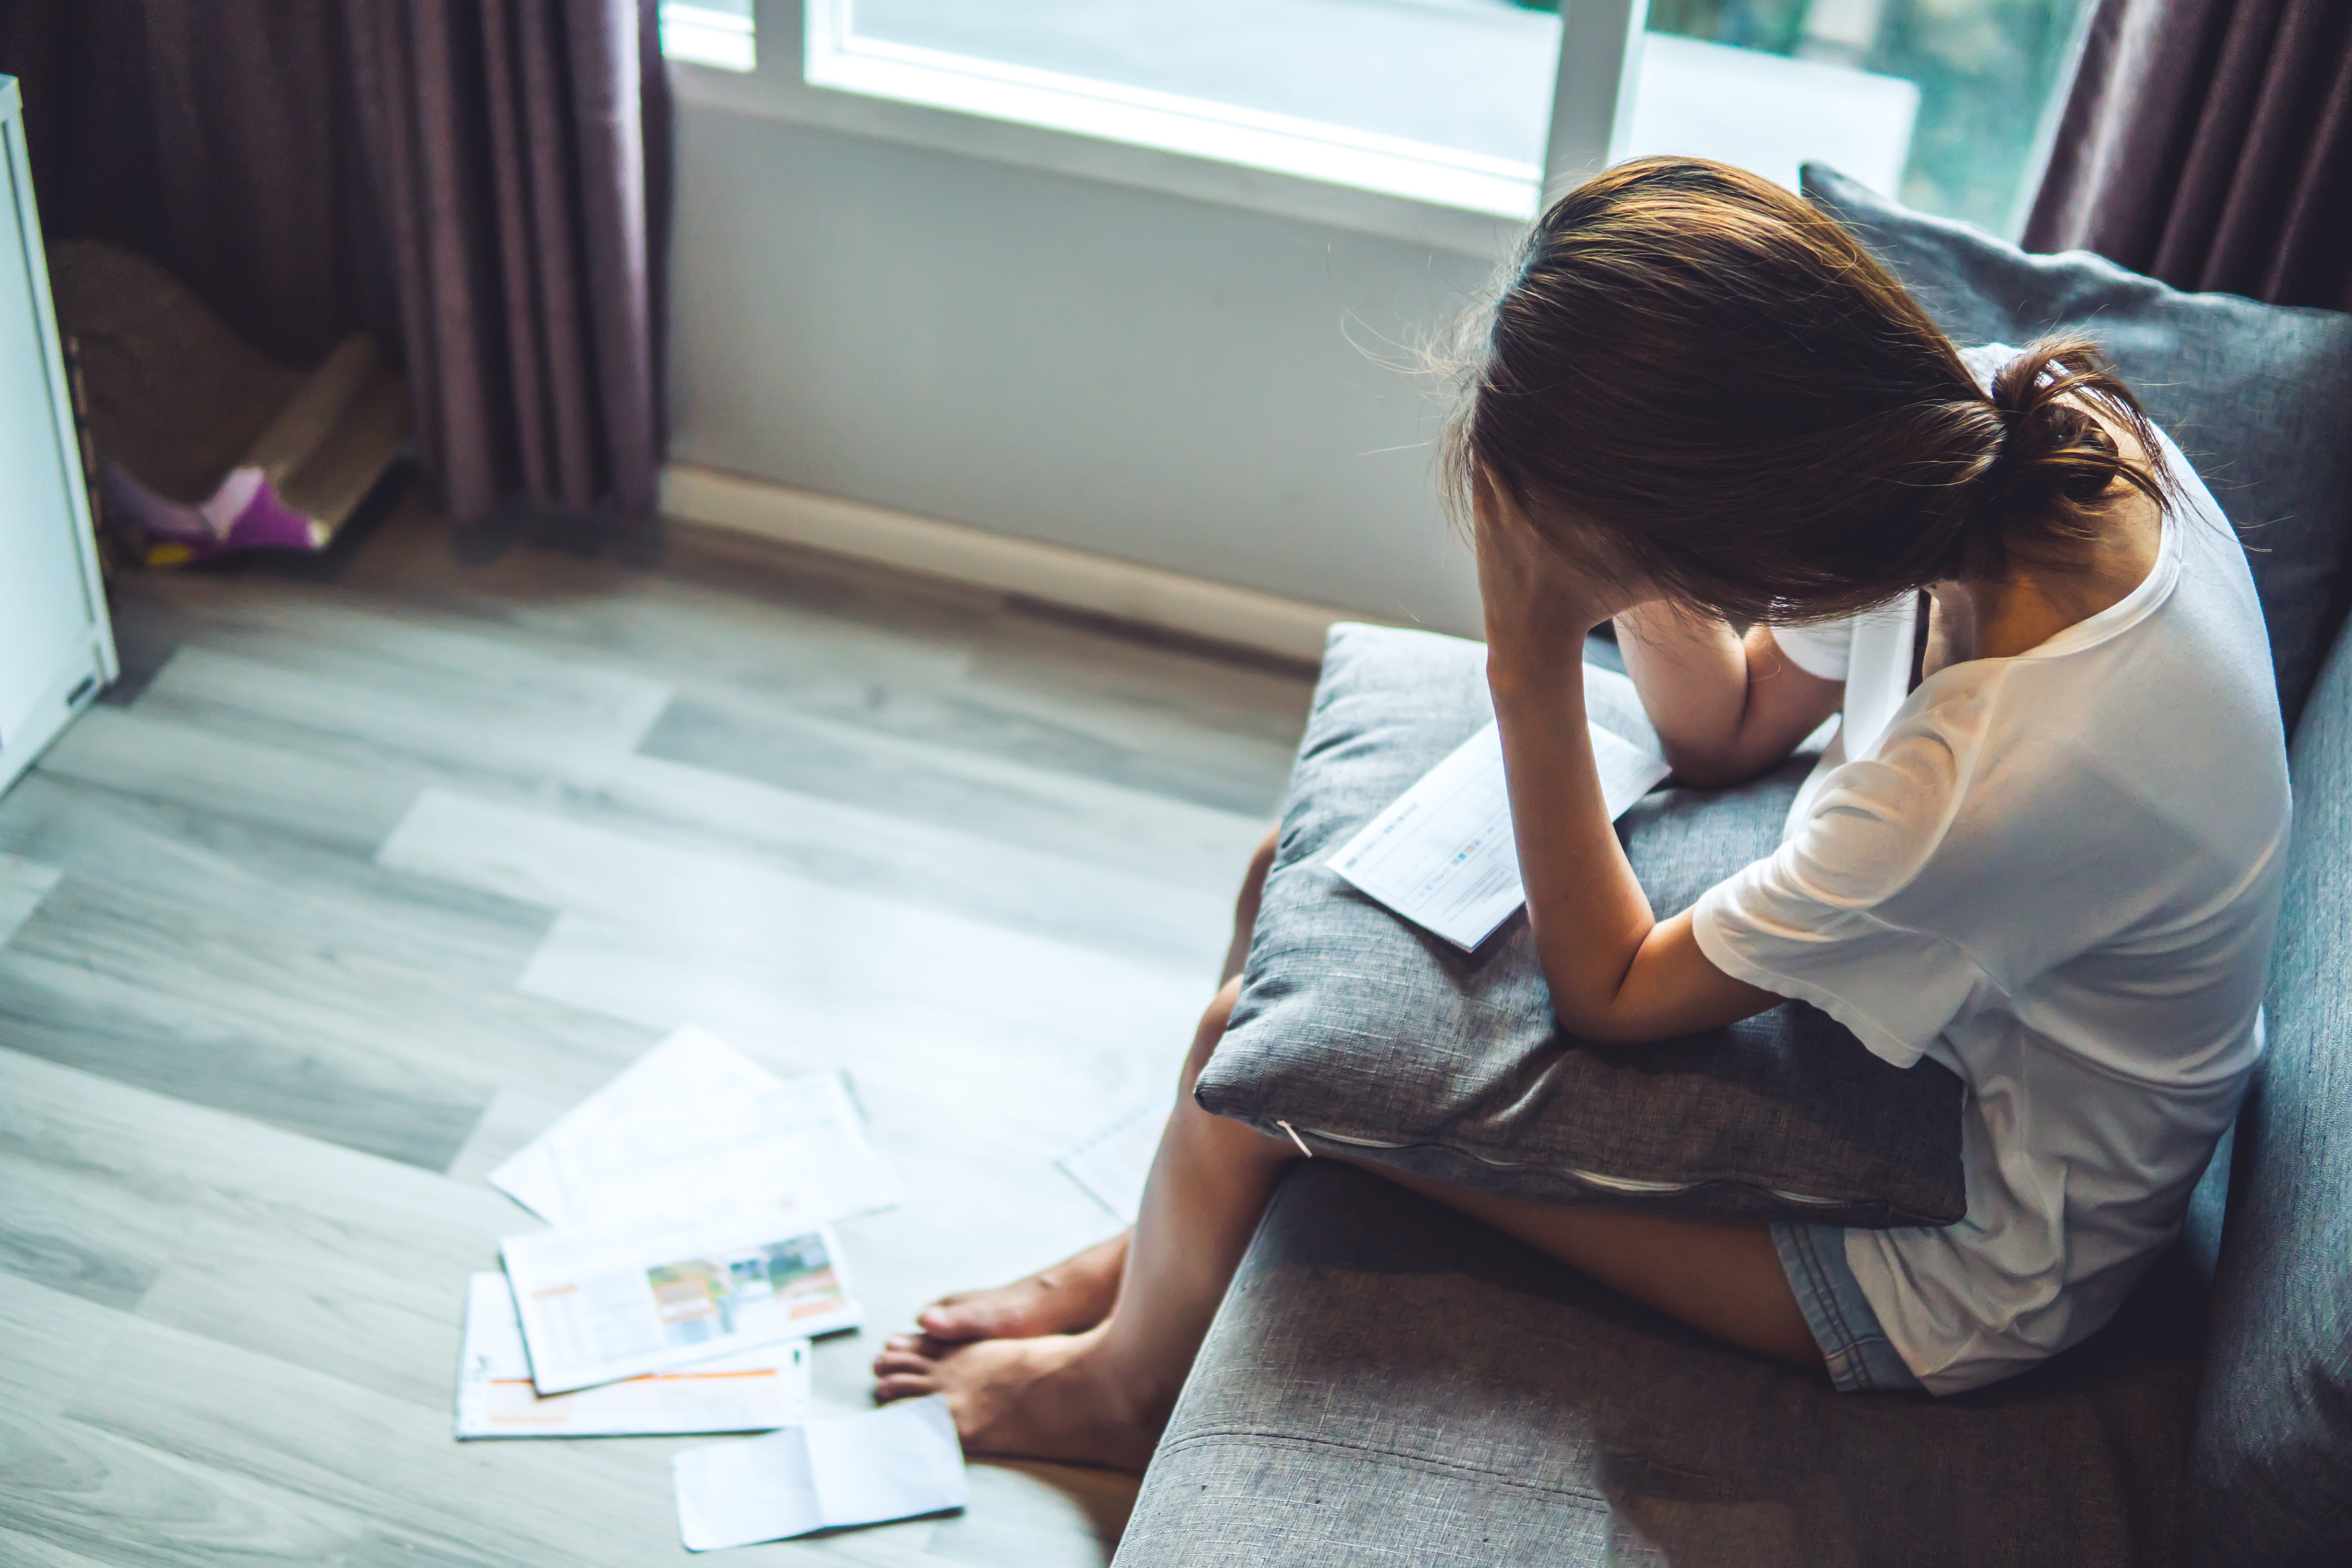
(1138, 375)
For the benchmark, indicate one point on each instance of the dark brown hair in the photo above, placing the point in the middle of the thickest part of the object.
(1715, 378)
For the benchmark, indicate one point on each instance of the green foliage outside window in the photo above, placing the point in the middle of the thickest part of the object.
(1987, 72)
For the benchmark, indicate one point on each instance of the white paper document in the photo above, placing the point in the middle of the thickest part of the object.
(900, 1461)
(600, 1305)
(693, 1123)
(756, 1391)
(1443, 855)
(1111, 1162)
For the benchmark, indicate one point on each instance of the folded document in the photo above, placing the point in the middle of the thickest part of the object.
(897, 1462)
(1444, 855)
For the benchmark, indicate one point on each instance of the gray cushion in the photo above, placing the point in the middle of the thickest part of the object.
(2274, 1462)
(1363, 1031)
(1388, 1382)
(2258, 397)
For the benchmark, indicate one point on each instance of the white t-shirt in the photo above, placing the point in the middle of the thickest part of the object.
(2057, 874)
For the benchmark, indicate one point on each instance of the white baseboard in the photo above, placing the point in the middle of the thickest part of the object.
(1101, 585)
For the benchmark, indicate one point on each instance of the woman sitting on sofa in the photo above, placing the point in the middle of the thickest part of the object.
(2045, 848)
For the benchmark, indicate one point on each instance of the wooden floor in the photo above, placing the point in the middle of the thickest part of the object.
(363, 875)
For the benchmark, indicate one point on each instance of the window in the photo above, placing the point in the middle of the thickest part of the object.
(1991, 77)
(710, 33)
(1362, 92)
(1458, 103)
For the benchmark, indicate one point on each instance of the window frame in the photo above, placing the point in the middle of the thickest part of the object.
(1443, 198)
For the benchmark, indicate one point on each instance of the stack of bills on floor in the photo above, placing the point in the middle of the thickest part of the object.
(751, 1391)
(692, 1259)
(691, 1198)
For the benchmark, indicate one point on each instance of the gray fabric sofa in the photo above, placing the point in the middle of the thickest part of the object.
(1388, 1381)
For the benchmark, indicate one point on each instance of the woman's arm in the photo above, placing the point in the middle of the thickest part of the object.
(1726, 708)
(1615, 973)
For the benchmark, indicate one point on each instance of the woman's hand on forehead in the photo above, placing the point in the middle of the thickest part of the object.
(1539, 603)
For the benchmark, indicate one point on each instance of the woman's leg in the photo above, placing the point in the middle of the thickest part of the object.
(1723, 1279)
(1101, 1397)
(1077, 1292)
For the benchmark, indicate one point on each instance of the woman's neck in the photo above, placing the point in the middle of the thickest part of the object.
(2000, 618)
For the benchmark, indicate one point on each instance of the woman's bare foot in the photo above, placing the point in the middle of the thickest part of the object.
(1049, 1398)
(1074, 1294)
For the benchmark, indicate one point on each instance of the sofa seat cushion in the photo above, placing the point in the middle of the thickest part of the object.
(2274, 1462)
(1365, 1033)
(2259, 398)
(1388, 1382)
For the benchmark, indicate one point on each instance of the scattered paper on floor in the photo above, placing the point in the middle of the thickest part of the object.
(756, 1391)
(1111, 1162)
(599, 1305)
(896, 1463)
(693, 1123)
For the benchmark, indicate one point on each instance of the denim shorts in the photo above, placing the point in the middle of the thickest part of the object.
(1860, 1357)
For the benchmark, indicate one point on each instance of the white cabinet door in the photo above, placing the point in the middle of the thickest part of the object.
(56, 649)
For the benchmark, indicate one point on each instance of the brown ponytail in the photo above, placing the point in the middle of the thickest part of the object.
(2043, 488)
(1713, 381)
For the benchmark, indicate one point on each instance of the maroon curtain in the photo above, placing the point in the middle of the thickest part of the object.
(482, 184)
(2209, 143)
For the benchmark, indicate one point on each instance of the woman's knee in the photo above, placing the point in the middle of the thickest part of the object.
(1261, 864)
(1213, 1030)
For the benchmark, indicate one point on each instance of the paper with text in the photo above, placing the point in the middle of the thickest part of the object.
(756, 1391)
(694, 1121)
(896, 1463)
(1443, 855)
(600, 1305)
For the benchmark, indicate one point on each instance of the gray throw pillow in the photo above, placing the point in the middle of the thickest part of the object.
(1370, 1036)
(2259, 398)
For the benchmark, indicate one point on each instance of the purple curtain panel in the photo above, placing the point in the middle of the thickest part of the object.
(483, 185)
(2209, 143)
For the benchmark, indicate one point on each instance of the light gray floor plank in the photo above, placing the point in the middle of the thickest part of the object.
(365, 1052)
(893, 654)
(496, 730)
(848, 845)
(721, 609)
(101, 1499)
(836, 841)
(21, 1551)
(54, 1337)
(80, 1239)
(279, 1239)
(313, 797)
(828, 944)
(23, 885)
(424, 670)
(245, 875)
(1061, 812)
